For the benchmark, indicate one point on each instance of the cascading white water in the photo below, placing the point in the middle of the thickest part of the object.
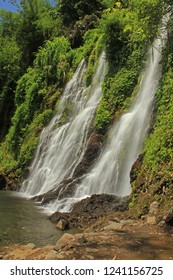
(60, 148)
(110, 173)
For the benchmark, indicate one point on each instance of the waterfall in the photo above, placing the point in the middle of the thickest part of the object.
(63, 142)
(111, 171)
(61, 145)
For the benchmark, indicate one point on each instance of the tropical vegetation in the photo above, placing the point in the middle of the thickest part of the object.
(40, 47)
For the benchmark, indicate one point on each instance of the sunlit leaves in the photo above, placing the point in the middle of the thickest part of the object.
(159, 146)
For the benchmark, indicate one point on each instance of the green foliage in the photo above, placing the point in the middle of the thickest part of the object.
(168, 51)
(30, 141)
(93, 58)
(66, 113)
(36, 61)
(159, 146)
(8, 163)
(53, 60)
(155, 172)
(10, 56)
(132, 203)
(91, 49)
(9, 23)
(149, 13)
(114, 36)
(126, 36)
(9, 60)
(39, 21)
(21, 34)
(34, 95)
(116, 89)
(27, 148)
(73, 10)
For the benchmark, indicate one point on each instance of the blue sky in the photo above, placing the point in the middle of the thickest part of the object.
(7, 6)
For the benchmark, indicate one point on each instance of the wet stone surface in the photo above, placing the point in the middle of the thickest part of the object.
(88, 210)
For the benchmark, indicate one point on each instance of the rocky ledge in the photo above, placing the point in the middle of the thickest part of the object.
(88, 210)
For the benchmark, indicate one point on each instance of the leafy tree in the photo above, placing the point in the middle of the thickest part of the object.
(149, 14)
(10, 68)
(35, 60)
(37, 22)
(32, 93)
(72, 10)
(21, 34)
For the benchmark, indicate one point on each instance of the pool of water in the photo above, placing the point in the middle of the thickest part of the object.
(22, 222)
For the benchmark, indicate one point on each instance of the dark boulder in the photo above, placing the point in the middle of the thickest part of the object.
(135, 168)
(3, 182)
(92, 151)
(168, 218)
(88, 210)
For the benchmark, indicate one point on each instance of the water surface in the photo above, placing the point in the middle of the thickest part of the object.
(22, 222)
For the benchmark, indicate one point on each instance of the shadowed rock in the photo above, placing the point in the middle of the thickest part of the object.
(88, 210)
(2, 182)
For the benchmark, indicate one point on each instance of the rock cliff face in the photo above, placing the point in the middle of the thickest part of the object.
(91, 153)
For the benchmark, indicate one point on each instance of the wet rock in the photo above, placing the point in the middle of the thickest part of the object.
(62, 224)
(13, 184)
(26, 172)
(65, 189)
(93, 148)
(3, 182)
(167, 221)
(154, 208)
(169, 218)
(72, 219)
(135, 168)
(98, 202)
(88, 210)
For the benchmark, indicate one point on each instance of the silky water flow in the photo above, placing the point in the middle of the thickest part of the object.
(111, 171)
(62, 146)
